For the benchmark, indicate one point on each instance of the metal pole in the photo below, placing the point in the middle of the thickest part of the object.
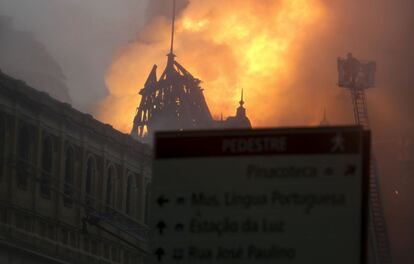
(172, 29)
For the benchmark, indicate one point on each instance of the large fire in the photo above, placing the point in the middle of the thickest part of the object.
(229, 45)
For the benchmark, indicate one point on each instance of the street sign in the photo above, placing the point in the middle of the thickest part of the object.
(260, 196)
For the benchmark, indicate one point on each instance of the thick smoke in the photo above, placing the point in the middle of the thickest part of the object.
(303, 75)
(82, 36)
(381, 31)
(85, 36)
(252, 47)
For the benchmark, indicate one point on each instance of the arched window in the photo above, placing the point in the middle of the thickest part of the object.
(111, 187)
(146, 201)
(69, 176)
(90, 180)
(24, 155)
(129, 199)
(47, 166)
(2, 145)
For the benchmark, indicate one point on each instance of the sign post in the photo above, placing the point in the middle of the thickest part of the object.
(260, 196)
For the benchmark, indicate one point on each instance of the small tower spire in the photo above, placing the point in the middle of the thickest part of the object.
(240, 120)
(172, 29)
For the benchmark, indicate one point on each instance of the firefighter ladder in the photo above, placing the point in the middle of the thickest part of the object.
(379, 250)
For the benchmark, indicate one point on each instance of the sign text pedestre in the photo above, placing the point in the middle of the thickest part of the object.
(260, 196)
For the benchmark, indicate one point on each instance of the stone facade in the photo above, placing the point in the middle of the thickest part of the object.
(69, 185)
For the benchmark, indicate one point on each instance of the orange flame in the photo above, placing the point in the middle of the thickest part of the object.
(229, 45)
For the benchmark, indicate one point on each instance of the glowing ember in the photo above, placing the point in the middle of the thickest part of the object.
(229, 45)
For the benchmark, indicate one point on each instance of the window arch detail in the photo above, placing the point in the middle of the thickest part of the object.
(111, 187)
(68, 180)
(2, 145)
(130, 195)
(47, 166)
(90, 178)
(24, 155)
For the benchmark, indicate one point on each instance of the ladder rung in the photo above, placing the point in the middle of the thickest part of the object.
(377, 220)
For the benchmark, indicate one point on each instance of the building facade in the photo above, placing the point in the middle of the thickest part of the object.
(72, 190)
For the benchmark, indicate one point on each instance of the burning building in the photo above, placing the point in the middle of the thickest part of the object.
(176, 101)
(258, 46)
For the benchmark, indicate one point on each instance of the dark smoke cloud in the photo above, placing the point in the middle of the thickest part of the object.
(379, 30)
(163, 8)
(82, 36)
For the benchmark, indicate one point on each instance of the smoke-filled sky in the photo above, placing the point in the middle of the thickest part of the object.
(281, 52)
(82, 35)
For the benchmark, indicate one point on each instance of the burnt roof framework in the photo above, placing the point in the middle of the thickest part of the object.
(176, 101)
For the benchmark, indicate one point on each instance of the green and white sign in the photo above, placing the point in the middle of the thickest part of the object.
(260, 196)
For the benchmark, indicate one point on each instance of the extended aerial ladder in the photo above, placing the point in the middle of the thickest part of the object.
(357, 76)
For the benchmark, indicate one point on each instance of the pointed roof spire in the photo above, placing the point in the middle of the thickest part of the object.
(172, 29)
(241, 98)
